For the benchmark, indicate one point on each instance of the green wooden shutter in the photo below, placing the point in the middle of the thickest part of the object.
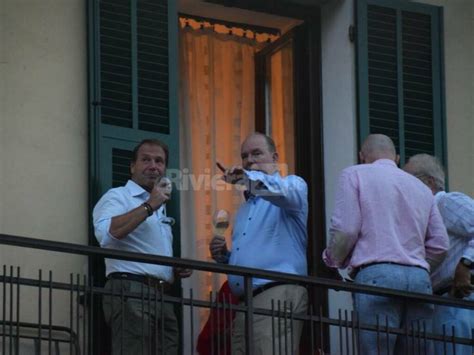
(399, 72)
(133, 51)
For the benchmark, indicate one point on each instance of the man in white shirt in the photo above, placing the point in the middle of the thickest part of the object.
(133, 218)
(453, 278)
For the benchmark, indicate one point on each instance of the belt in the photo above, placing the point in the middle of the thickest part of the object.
(260, 289)
(355, 271)
(144, 279)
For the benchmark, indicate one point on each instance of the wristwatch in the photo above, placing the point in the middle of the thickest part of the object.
(467, 262)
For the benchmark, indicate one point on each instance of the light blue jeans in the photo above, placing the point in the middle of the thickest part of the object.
(396, 312)
(460, 318)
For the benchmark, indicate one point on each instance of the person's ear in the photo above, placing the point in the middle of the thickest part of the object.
(430, 181)
(397, 159)
(361, 158)
(132, 168)
(275, 157)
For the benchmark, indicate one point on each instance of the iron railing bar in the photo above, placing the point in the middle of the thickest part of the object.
(302, 317)
(248, 289)
(311, 328)
(346, 323)
(227, 269)
(425, 341)
(418, 328)
(445, 346)
(90, 308)
(279, 326)
(217, 323)
(71, 315)
(17, 341)
(10, 343)
(212, 322)
(78, 281)
(162, 318)
(143, 325)
(358, 332)
(321, 332)
(378, 334)
(291, 327)
(353, 334)
(406, 335)
(339, 325)
(4, 313)
(224, 322)
(50, 313)
(39, 312)
(191, 309)
(231, 305)
(453, 337)
(84, 318)
(155, 319)
(122, 316)
(59, 328)
(273, 327)
(285, 326)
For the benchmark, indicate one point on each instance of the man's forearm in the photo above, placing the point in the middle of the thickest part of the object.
(123, 225)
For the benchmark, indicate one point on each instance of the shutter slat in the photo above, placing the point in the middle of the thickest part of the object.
(116, 63)
(153, 76)
(120, 166)
(418, 91)
(383, 70)
(382, 62)
(152, 64)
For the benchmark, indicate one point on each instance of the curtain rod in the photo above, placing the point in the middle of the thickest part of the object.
(244, 26)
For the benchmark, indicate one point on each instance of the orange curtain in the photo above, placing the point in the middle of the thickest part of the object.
(216, 113)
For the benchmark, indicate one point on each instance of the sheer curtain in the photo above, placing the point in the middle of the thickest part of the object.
(216, 113)
(281, 107)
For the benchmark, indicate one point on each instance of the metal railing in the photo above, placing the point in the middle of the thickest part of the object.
(80, 330)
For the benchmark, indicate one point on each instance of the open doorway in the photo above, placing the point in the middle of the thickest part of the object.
(242, 71)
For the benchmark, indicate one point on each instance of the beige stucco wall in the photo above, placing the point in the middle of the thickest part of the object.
(43, 146)
(459, 76)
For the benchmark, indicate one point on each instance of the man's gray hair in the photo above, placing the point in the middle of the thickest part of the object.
(427, 165)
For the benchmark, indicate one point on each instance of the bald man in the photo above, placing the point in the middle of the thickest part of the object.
(269, 233)
(387, 230)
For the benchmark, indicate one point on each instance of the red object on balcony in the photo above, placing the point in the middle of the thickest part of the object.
(218, 325)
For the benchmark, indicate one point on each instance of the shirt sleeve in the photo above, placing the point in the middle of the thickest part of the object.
(469, 252)
(457, 211)
(290, 193)
(109, 206)
(437, 240)
(346, 222)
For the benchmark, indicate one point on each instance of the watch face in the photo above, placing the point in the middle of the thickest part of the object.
(466, 262)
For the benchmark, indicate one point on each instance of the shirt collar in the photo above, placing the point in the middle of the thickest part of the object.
(135, 189)
(385, 162)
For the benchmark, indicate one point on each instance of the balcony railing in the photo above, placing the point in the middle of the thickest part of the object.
(30, 308)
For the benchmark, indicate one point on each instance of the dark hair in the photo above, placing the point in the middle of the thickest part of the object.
(152, 142)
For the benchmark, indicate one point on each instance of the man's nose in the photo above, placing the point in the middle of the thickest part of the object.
(153, 165)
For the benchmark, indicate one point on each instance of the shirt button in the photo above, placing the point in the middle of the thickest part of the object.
(238, 248)
(243, 233)
(250, 218)
(237, 284)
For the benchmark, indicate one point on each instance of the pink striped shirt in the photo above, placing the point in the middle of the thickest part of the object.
(383, 214)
